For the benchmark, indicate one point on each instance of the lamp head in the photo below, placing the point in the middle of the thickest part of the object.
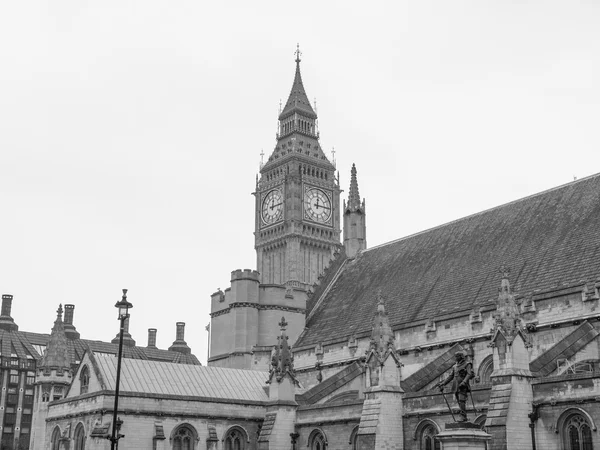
(123, 306)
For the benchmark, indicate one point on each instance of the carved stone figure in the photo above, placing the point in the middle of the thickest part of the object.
(461, 373)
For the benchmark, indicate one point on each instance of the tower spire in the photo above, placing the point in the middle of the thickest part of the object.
(298, 100)
(355, 227)
(353, 195)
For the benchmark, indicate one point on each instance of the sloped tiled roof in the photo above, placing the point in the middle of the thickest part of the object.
(24, 342)
(545, 239)
(164, 378)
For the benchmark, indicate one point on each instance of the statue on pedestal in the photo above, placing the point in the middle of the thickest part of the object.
(461, 373)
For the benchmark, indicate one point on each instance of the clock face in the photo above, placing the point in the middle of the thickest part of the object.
(272, 207)
(317, 205)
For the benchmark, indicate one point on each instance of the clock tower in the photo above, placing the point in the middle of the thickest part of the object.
(297, 199)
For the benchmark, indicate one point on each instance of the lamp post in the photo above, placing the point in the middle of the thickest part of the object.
(123, 307)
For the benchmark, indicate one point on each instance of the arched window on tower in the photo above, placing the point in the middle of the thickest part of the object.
(55, 439)
(184, 437)
(576, 430)
(84, 380)
(79, 437)
(235, 439)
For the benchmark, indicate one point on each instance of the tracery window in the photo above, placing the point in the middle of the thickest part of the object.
(427, 440)
(84, 380)
(577, 433)
(235, 439)
(55, 440)
(354, 439)
(485, 370)
(184, 438)
(317, 441)
(79, 438)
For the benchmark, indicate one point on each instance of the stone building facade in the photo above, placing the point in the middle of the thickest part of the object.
(333, 345)
(515, 287)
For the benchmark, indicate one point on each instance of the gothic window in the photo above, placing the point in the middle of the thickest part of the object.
(485, 370)
(428, 441)
(354, 439)
(79, 437)
(577, 433)
(235, 439)
(425, 435)
(84, 380)
(317, 440)
(55, 440)
(184, 438)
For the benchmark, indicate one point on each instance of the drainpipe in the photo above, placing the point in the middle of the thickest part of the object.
(533, 417)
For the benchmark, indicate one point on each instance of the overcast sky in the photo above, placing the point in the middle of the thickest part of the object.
(131, 133)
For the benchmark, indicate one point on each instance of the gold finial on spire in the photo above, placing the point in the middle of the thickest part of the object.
(298, 53)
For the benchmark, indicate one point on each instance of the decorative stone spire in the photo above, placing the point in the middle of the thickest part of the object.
(507, 312)
(353, 204)
(382, 336)
(507, 317)
(355, 219)
(282, 360)
(298, 100)
(56, 355)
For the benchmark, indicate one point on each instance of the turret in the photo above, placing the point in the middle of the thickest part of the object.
(53, 378)
(355, 219)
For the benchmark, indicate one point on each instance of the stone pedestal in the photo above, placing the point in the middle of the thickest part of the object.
(463, 436)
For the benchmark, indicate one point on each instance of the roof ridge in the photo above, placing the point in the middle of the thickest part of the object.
(555, 188)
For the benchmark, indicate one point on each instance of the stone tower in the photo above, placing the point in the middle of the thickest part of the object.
(297, 199)
(355, 219)
(53, 378)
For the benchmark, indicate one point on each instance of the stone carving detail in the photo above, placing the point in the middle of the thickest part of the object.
(282, 360)
(382, 344)
(508, 318)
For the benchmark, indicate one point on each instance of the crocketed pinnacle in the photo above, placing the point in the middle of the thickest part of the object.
(298, 100)
(507, 312)
(282, 360)
(56, 354)
(382, 336)
(353, 195)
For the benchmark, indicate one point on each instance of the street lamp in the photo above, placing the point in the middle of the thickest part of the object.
(123, 306)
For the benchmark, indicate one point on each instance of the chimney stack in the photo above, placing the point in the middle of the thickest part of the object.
(127, 339)
(180, 345)
(152, 338)
(70, 329)
(6, 321)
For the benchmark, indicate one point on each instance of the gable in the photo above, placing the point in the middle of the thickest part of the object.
(94, 378)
